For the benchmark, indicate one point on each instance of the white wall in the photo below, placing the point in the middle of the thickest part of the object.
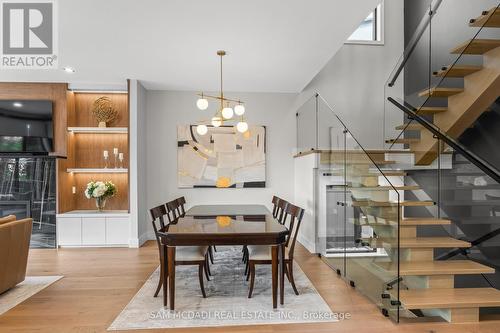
(353, 81)
(167, 109)
(138, 207)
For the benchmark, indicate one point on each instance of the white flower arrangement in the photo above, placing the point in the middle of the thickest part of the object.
(100, 190)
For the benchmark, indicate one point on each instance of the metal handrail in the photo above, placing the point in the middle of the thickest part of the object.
(486, 167)
(415, 39)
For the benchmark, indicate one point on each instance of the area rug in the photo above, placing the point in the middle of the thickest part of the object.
(227, 303)
(24, 290)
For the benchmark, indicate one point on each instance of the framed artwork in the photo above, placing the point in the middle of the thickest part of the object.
(222, 158)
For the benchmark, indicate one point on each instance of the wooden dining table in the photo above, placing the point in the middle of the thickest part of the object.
(207, 225)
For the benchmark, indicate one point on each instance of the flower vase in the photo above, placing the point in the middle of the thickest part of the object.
(100, 203)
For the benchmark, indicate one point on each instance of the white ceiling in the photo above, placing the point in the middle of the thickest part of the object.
(272, 45)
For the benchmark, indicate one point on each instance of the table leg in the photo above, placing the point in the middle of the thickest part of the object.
(171, 275)
(164, 274)
(282, 273)
(274, 257)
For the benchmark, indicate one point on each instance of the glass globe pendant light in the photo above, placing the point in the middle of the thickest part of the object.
(242, 126)
(224, 113)
(202, 103)
(239, 109)
(216, 121)
(227, 112)
(202, 129)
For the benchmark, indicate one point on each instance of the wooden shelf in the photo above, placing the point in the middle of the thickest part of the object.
(99, 130)
(97, 170)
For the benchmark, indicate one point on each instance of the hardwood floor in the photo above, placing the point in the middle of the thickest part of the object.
(98, 283)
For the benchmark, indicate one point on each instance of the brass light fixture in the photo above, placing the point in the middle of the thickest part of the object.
(225, 112)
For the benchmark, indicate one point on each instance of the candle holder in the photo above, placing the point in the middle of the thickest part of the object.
(115, 153)
(120, 157)
(106, 157)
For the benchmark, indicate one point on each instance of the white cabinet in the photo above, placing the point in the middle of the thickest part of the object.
(93, 228)
(69, 230)
(117, 230)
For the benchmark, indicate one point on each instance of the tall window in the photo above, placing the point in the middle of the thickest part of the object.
(370, 30)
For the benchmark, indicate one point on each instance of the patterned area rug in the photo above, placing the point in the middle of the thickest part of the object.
(227, 303)
(24, 290)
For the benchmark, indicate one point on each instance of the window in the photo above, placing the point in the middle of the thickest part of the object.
(370, 31)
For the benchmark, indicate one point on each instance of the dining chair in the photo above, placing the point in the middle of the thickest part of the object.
(279, 206)
(185, 255)
(261, 254)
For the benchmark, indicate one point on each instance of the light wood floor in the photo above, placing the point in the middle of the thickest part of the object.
(98, 283)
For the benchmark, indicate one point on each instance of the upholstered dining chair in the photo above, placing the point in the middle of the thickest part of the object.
(261, 254)
(185, 255)
(279, 206)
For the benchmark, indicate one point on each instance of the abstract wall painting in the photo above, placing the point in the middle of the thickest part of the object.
(222, 158)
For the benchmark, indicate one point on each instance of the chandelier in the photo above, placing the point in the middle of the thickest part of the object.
(225, 112)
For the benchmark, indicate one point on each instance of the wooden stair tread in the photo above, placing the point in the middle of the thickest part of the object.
(369, 162)
(431, 110)
(385, 188)
(449, 298)
(414, 221)
(410, 127)
(369, 203)
(490, 18)
(432, 242)
(440, 92)
(402, 141)
(457, 71)
(476, 46)
(452, 267)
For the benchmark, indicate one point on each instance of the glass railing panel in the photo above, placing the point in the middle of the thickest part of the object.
(435, 69)
(360, 223)
(307, 126)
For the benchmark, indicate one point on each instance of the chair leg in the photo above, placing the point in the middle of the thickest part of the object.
(200, 277)
(207, 274)
(286, 271)
(252, 279)
(290, 275)
(246, 269)
(215, 249)
(160, 281)
(211, 254)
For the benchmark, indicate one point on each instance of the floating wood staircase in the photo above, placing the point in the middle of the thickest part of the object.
(465, 105)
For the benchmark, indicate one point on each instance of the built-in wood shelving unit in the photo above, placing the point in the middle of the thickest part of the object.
(85, 144)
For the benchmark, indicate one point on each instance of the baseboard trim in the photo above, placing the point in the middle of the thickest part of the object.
(311, 247)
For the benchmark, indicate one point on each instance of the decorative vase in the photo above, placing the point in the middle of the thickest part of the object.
(100, 203)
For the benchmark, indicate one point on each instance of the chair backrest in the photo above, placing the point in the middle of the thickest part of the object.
(173, 210)
(280, 211)
(275, 201)
(157, 215)
(294, 214)
(180, 206)
(494, 209)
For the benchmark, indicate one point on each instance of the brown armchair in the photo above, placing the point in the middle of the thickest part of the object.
(14, 246)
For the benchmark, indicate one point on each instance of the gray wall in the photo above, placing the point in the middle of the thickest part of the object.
(167, 109)
(353, 81)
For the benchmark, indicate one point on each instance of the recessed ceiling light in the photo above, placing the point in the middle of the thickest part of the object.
(17, 104)
(69, 69)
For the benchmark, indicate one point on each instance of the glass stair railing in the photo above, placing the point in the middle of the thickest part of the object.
(446, 83)
(358, 207)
